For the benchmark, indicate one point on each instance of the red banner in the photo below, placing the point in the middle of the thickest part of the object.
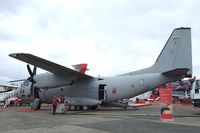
(166, 107)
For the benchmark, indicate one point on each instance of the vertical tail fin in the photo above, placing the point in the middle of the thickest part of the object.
(176, 54)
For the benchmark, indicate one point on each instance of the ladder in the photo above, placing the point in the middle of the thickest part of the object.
(36, 104)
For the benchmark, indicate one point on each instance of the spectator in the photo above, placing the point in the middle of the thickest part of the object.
(54, 104)
(62, 99)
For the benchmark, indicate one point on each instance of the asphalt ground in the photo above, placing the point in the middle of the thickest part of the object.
(103, 120)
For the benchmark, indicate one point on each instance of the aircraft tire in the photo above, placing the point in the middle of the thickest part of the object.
(17, 104)
(85, 108)
(94, 107)
(78, 107)
(72, 107)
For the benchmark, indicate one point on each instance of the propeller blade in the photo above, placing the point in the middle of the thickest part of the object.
(32, 89)
(34, 70)
(29, 71)
(32, 74)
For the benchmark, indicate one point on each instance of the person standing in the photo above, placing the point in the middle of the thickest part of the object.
(54, 104)
(62, 104)
(7, 102)
(62, 99)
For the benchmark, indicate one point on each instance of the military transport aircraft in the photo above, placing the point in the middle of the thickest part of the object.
(85, 91)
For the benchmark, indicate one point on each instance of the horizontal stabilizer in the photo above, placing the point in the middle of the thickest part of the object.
(176, 72)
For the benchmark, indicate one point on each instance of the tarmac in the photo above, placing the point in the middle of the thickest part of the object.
(103, 120)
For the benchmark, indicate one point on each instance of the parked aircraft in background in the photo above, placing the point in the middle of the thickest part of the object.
(144, 96)
(8, 94)
(84, 91)
(140, 103)
(7, 87)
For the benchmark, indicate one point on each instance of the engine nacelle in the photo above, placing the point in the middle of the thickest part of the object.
(49, 80)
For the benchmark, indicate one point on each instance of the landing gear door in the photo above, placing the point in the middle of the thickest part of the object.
(102, 92)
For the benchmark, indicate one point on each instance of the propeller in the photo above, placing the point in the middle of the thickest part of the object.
(31, 78)
(31, 73)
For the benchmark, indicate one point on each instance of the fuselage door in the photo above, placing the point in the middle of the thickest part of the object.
(102, 92)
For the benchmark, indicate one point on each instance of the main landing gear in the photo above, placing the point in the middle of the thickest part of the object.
(75, 107)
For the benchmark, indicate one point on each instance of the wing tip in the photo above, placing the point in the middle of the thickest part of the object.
(14, 55)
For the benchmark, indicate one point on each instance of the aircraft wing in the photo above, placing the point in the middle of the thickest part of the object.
(47, 65)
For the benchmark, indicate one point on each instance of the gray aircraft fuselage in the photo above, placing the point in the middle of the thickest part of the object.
(105, 89)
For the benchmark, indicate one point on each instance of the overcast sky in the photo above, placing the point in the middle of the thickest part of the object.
(112, 36)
